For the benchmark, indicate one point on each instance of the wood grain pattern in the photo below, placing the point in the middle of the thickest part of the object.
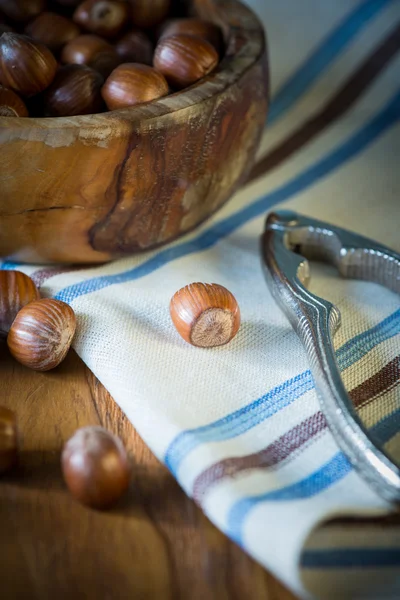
(156, 544)
(90, 188)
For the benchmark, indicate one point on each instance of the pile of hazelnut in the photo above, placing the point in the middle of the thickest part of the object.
(39, 333)
(72, 57)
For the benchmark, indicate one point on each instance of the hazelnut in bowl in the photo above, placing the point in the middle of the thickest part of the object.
(118, 155)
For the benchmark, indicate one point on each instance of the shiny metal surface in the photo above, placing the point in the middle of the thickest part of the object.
(288, 241)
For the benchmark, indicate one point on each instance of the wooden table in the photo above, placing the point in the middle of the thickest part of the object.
(155, 545)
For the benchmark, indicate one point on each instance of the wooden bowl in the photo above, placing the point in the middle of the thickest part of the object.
(92, 188)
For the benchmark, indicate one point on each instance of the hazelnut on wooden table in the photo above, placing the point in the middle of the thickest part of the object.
(95, 467)
(205, 315)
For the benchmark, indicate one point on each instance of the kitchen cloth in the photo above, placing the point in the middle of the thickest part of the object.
(240, 426)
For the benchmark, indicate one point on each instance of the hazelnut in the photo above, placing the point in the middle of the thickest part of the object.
(198, 27)
(76, 90)
(135, 47)
(26, 66)
(93, 51)
(102, 17)
(131, 84)
(95, 467)
(22, 10)
(8, 440)
(184, 59)
(205, 315)
(41, 334)
(16, 291)
(11, 105)
(52, 30)
(149, 13)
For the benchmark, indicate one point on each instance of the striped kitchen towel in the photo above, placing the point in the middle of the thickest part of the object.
(240, 427)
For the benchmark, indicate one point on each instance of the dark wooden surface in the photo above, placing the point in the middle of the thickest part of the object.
(156, 544)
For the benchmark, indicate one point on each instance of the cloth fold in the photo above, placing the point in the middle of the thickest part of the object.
(240, 426)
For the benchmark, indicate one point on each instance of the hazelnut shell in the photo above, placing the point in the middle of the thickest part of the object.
(53, 30)
(16, 291)
(26, 66)
(135, 47)
(105, 18)
(131, 84)
(198, 27)
(76, 90)
(149, 13)
(11, 104)
(22, 10)
(95, 467)
(184, 59)
(93, 51)
(42, 333)
(205, 315)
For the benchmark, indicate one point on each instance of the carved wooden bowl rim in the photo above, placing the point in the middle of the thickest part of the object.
(245, 45)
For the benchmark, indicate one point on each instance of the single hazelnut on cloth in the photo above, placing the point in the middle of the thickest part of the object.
(205, 315)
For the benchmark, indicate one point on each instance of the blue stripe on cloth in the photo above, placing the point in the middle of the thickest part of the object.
(389, 115)
(351, 558)
(386, 429)
(9, 266)
(240, 421)
(358, 346)
(322, 57)
(330, 473)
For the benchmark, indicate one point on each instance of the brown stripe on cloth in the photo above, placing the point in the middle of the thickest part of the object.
(42, 275)
(296, 438)
(379, 383)
(335, 108)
